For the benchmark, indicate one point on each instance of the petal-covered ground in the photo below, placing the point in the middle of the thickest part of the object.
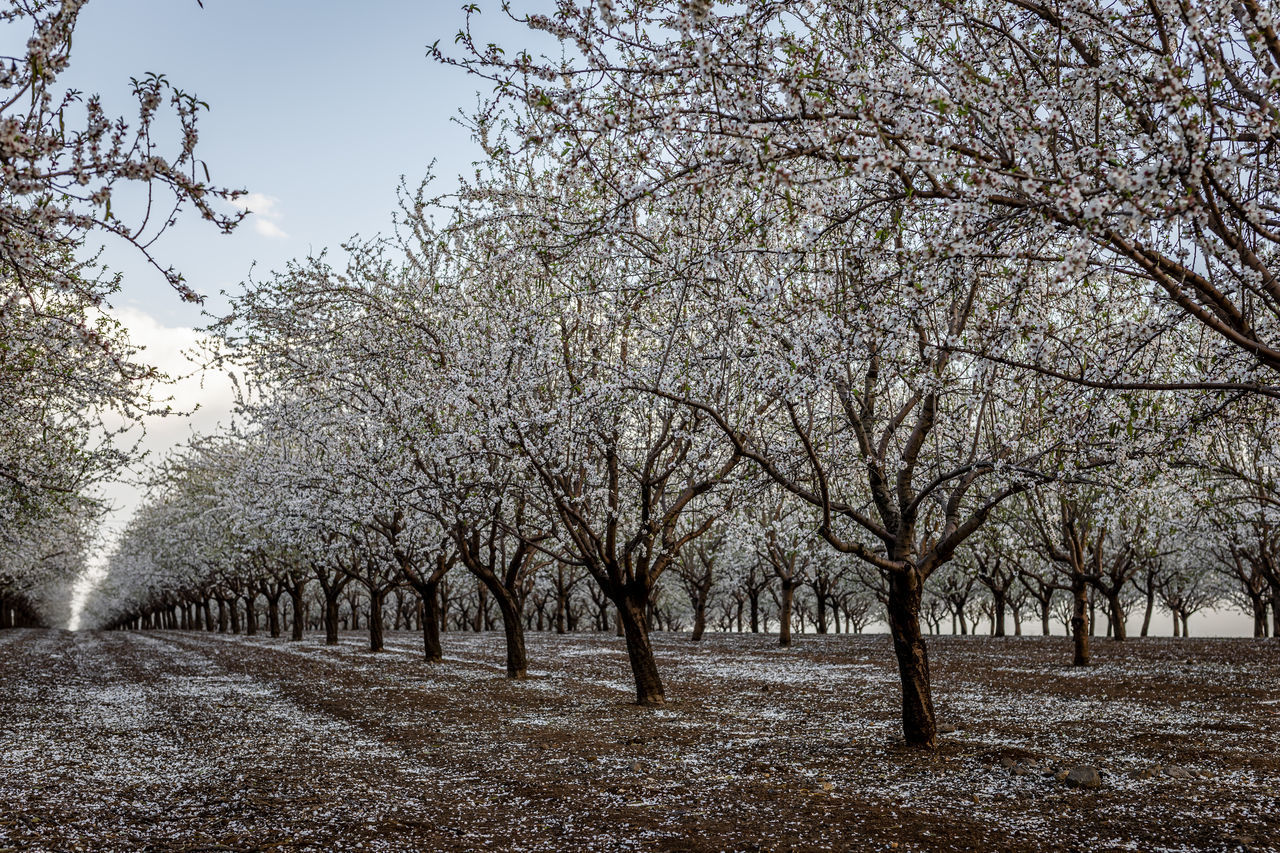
(172, 741)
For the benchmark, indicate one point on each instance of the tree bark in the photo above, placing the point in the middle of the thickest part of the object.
(699, 616)
(998, 603)
(513, 628)
(1150, 608)
(631, 618)
(330, 619)
(295, 603)
(919, 726)
(375, 619)
(1080, 621)
(431, 623)
(784, 612)
(1116, 610)
(250, 615)
(273, 615)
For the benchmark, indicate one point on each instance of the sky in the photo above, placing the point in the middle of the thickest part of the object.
(319, 110)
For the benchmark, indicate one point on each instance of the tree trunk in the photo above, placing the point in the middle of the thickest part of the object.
(273, 615)
(1080, 629)
(1150, 608)
(1046, 608)
(233, 607)
(755, 613)
(431, 623)
(1185, 631)
(222, 616)
(375, 619)
(513, 628)
(997, 601)
(1116, 610)
(784, 612)
(699, 616)
(299, 618)
(562, 604)
(250, 615)
(919, 725)
(331, 619)
(209, 624)
(643, 666)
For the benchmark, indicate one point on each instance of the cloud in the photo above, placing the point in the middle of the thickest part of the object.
(265, 210)
(267, 228)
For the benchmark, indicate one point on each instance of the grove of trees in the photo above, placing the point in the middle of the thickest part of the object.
(768, 316)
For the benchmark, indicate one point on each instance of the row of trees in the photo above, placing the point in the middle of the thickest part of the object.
(744, 595)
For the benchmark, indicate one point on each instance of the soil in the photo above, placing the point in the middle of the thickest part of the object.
(175, 741)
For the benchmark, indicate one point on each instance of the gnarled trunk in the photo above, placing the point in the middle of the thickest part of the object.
(919, 726)
(513, 628)
(430, 593)
(631, 618)
(1080, 621)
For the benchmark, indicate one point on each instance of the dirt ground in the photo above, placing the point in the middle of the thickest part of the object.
(174, 741)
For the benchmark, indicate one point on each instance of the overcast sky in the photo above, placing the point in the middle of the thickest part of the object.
(318, 108)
